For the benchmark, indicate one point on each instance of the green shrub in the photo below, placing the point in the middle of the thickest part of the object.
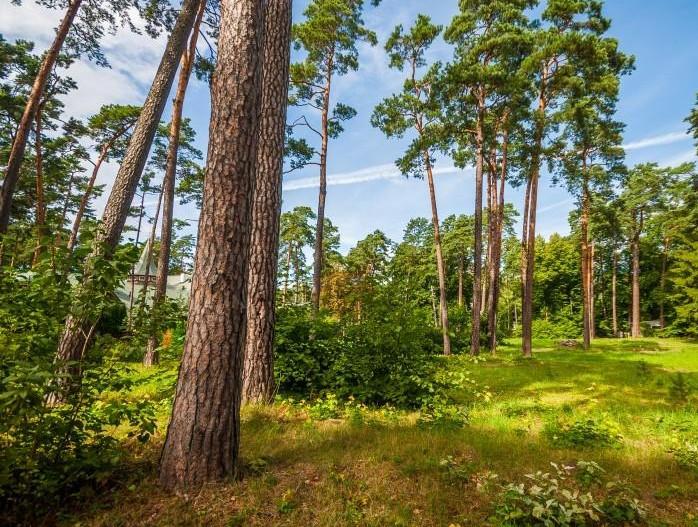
(555, 499)
(387, 358)
(686, 454)
(587, 432)
(562, 328)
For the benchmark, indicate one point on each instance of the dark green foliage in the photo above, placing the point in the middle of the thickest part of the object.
(386, 358)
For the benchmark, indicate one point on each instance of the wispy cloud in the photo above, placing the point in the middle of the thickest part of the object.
(374, 173)
(686, 156)
(556, 205)
(664, 139)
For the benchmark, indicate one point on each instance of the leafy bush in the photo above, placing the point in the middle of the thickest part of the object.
(387, 358)
(686, 454)
(52, 453)
(556, 499)
(586, 432)
(561, 328)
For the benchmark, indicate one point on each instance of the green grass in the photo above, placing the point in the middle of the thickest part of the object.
(384, 469)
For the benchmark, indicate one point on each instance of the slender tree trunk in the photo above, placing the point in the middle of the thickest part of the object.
(168, 184)
(592, 294)
(40, 198)
(497, 245)
(614, 294)
(320, 226)
(585, 268)
(440, 268)
(529, 235)
(477, 248)
(82, 207)
(258, 373)
(203, 437)
(635, 330)
(124, 188)
(19, 144)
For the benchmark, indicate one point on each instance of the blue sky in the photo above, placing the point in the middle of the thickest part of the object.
(365, 191)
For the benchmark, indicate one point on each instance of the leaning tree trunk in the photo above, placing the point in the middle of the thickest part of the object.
(477, 247)
(258, 373)
(320, 225)
(124, 188)
(440, 267)
(204, 433)
(168, 185)
(19, 144)
(82, 207)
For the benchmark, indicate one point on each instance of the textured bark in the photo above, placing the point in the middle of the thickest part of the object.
(320, 226)
(19, 144)
(477, 247)
(203, 436)
(124, 188)
(493, 301)
(440, 268)
(258, 373)
(167, 195)
(528, 252)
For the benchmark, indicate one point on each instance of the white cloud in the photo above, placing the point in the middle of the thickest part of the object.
(133, 59)
(385, 172)
(556, 205)
(664, 139)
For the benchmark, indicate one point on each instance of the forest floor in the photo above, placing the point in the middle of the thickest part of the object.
(624, 405)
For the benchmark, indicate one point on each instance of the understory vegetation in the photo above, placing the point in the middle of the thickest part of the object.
(570, 438)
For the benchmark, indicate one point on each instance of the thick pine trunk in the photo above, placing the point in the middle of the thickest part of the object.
(203, 437)
(477, 248)
(167, 195)
(124, 188)
(320, 225)
(440, 268)
(19, 144)
(258, 373)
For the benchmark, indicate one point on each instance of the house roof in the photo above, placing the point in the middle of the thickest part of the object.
(140, 267)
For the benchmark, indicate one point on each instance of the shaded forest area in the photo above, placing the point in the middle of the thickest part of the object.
(472, 373)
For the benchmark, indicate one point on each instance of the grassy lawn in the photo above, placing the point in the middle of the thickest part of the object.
(379, 467)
